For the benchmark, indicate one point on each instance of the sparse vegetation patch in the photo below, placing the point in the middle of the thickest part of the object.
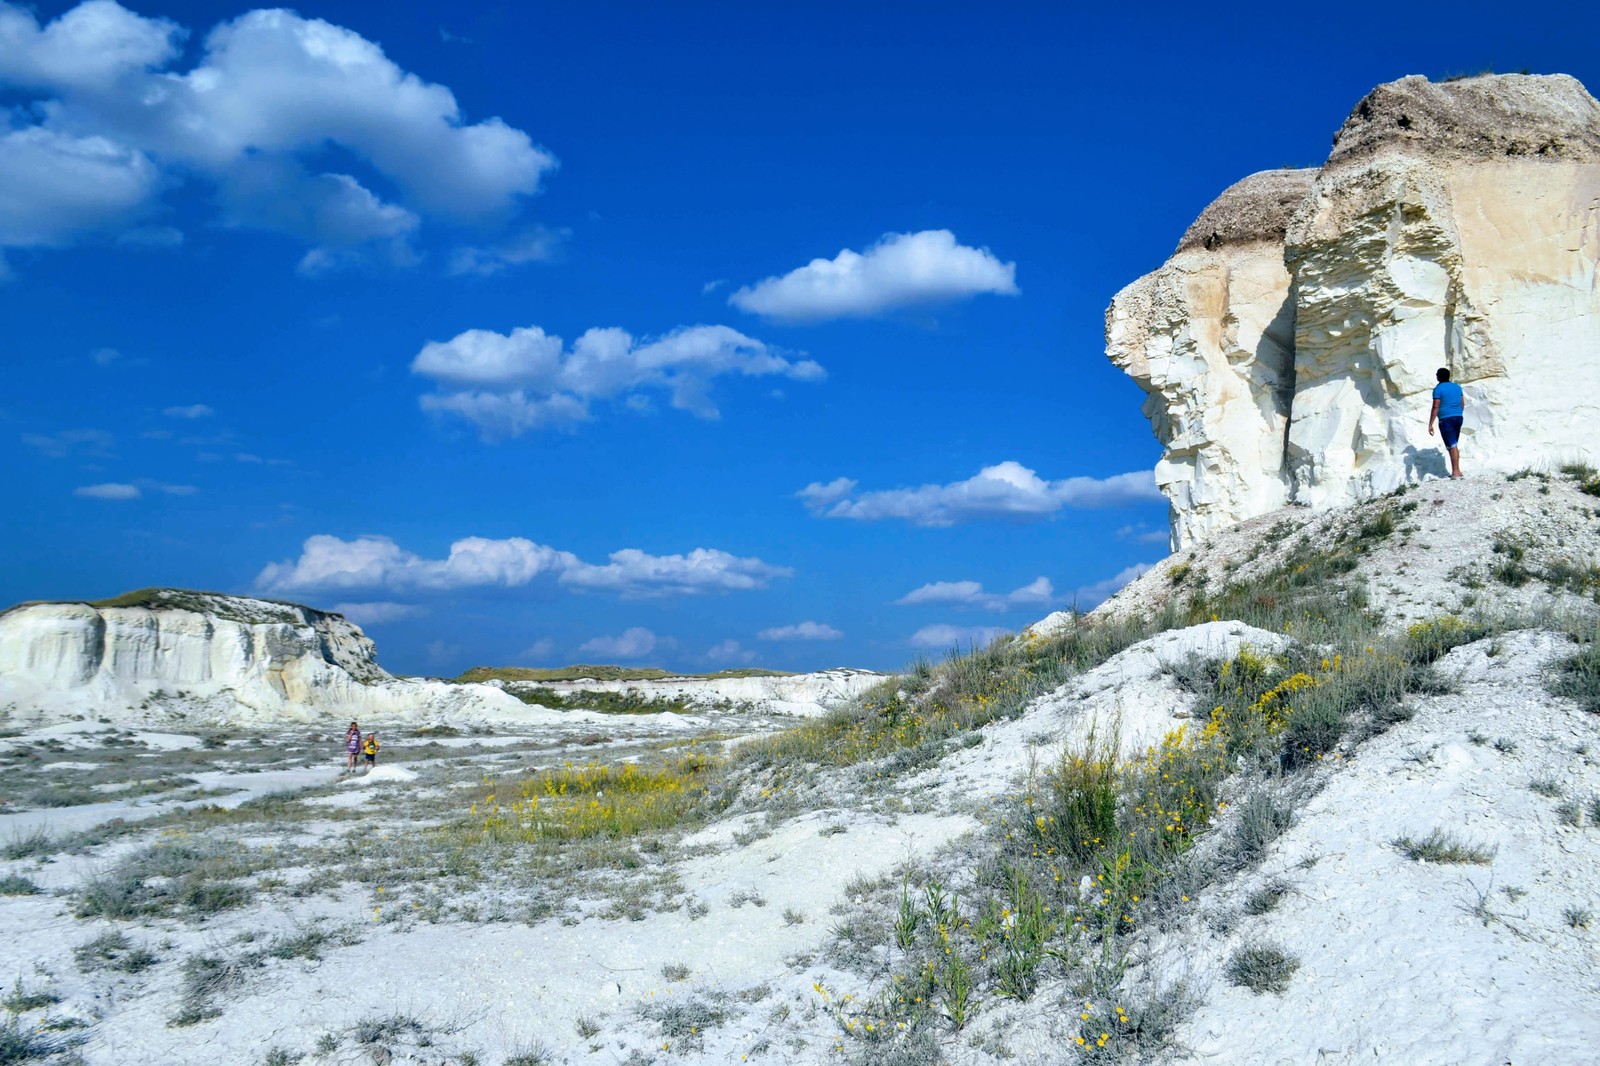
(113, 951)
(1262, 968)
(629, 701)
(1443, 847)
(598, 800)
(1577, 677)
(17, 885)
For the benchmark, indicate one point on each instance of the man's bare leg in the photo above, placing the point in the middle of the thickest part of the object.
(1455, 462)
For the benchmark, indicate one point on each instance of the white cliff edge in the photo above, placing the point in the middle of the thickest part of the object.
(1288, 347)
(211, 658)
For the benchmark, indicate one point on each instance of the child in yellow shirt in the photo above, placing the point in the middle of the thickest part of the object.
(369, 748)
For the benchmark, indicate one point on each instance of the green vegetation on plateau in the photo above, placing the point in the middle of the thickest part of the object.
(601, 673)
(222, 604)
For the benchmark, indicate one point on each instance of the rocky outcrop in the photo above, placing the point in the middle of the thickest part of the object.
(1210, 338)
(172, 653)
(1288, 347)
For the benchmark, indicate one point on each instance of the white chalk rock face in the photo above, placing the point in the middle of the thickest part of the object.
(215, 658)
(1454, 225)
(1210, 338)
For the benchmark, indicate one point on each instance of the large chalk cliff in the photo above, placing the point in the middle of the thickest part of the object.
(1288, 347)
(211, 657)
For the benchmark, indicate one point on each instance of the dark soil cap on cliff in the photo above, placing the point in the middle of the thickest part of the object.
(1491, 116)
(1257, 208)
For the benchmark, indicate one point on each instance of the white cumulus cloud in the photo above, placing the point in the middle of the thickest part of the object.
(509, 383)
(634, 643)
(801, 631)
(93, 46)
(534, 245)
(1093, 595)
(168, 488)
(1005, 490)
(634, 573)
(901, 270)
(378, 611)
(109, 124)
(945, 637)
(108, 491)
(1142, 534)
(538, 651)
(56, 186)
(1036, 593)
(374, 562)
(729, 651)
(59, 445)
(377, 562)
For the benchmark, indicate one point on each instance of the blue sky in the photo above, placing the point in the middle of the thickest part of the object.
(694, 335)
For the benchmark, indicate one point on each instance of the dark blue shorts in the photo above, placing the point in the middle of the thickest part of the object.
(1450, 430)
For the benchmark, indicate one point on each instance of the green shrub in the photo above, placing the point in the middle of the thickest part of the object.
(1577, 677)
(28, 845)
(1511, 570)
(1262, 967)
(1314, 729)
(1262, 819)
(1266, 899)
(1378, 527)
(1076, 814)
(17, 885)
(1585, 475)
(164, 878)
(308, 943)
(20, 1000)
(530, 1055)
(205, 978)
(685, 1021)
(113, 951)
(386, 1029)
(1442, 847)
(19, 1044)
(1430, 640)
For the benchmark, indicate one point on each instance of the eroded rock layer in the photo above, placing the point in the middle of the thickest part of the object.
(1288, 347)
(208, 657)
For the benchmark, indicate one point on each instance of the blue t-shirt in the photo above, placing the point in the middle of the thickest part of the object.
(1448, 393)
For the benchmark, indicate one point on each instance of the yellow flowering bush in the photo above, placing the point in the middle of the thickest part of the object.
(596, 800)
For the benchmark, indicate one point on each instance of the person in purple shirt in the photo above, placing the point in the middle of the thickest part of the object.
(1449, 405)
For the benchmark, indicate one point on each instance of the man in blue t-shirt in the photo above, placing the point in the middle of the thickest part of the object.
(1449, 404)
